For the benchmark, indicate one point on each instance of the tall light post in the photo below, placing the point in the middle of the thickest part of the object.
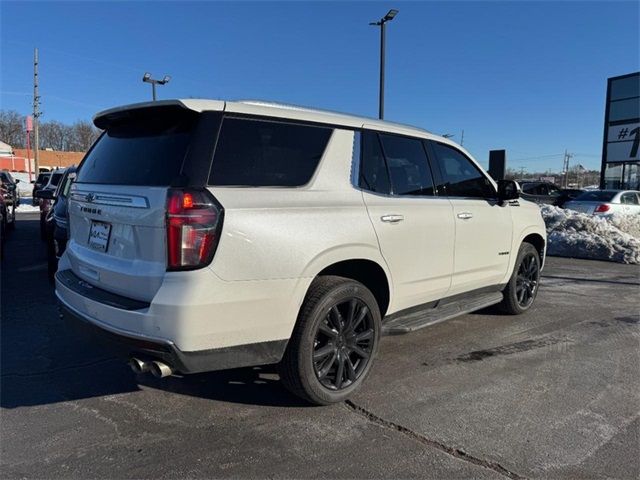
(382, 23)
(147, 79)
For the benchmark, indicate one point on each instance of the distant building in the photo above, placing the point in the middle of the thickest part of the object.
(20, 161)
(5, 150)
(620, 150)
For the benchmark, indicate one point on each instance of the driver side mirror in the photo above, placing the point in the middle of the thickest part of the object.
(508, 190)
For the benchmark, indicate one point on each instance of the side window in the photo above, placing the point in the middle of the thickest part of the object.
(408, 165)
(629, 199)
(461, 176)
(553, 190)
(373, 171)
(263, 153)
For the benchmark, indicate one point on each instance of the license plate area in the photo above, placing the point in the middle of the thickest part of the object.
(99, 236)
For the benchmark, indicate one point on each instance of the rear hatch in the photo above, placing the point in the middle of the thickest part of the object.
(117, 205)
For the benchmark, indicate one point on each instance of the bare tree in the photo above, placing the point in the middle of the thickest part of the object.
(54, 135)
(83, 136)
(12, 128)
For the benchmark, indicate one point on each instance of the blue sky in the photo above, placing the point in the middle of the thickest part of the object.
(526, 76)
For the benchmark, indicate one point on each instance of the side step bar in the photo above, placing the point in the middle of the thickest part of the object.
(430, 316)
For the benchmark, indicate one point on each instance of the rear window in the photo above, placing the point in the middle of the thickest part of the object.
(55, 179)
(595, 196)
(142, 150)
(267, 154)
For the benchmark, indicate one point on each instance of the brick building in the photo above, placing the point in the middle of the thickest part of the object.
(50, 159)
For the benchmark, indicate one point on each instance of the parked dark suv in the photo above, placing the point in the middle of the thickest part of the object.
(39, 183)
(56, 220)
(547, 192)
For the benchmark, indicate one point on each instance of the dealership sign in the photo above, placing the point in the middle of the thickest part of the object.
(623, 142)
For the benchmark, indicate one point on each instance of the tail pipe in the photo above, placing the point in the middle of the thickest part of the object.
(160, 370)
(157, 369)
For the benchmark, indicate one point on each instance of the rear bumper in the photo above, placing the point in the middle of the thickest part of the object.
(130, 345)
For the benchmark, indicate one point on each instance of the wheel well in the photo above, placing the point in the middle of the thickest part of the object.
(537, 241)
(367, 272)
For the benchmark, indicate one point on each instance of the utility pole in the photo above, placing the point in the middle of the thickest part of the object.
(522, 169)
(565, 167)
(36, 112)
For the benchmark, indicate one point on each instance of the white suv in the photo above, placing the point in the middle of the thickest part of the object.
(208, 235)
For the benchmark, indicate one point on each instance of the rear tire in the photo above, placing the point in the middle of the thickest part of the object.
(522, 289)
(333, 344)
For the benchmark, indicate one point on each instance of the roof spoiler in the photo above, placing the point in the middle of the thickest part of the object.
(106, 118)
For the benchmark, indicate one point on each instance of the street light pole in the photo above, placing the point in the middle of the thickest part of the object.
(147, 79)
(382, 24)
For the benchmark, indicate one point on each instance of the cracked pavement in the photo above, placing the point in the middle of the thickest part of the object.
(554, 393)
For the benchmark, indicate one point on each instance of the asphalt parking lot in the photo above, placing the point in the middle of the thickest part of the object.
(551, 394)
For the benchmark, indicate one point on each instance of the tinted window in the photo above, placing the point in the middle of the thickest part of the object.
(261, 153)
(55, 179)
(373, 171)
(63, 189)
(408, 165)
(596, 196)
(629, 198)
(553, 190)
(149, 151)
(42, 178)
(532, 189)
(461, 176)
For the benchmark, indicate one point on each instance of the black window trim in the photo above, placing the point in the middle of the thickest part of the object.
(480, 170)
(430, 164)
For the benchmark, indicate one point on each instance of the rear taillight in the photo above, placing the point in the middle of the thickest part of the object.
(194, 221)
(602, 208)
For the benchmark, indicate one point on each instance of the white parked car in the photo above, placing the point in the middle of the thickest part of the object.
(208, 235)
(605, 202)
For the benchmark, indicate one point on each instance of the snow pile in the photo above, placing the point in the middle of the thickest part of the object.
(26, 205)
(24, 187)
(578, 235)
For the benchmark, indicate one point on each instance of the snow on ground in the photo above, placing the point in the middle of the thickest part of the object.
(25, 190)
(577, 235)
(24, 187)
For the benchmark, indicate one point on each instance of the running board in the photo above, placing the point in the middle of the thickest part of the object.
(430, 316)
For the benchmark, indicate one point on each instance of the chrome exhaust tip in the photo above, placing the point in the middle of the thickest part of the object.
(160, 370)
(139, 366)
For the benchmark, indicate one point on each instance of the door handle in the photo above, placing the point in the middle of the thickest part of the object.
(392, 218)
(465, 215)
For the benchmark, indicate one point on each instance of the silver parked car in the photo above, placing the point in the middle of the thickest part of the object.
(602, 202)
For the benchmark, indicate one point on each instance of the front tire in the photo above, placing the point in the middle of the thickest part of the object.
(333, 344)
(522, 289)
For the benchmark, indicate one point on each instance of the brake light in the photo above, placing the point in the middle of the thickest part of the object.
(194, 221)
(602, 208)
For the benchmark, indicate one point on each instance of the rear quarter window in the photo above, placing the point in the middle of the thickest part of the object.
(259, 153)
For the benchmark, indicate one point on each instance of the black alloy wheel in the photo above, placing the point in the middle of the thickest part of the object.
(527, 280)
(334, 342)
(343, 344)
